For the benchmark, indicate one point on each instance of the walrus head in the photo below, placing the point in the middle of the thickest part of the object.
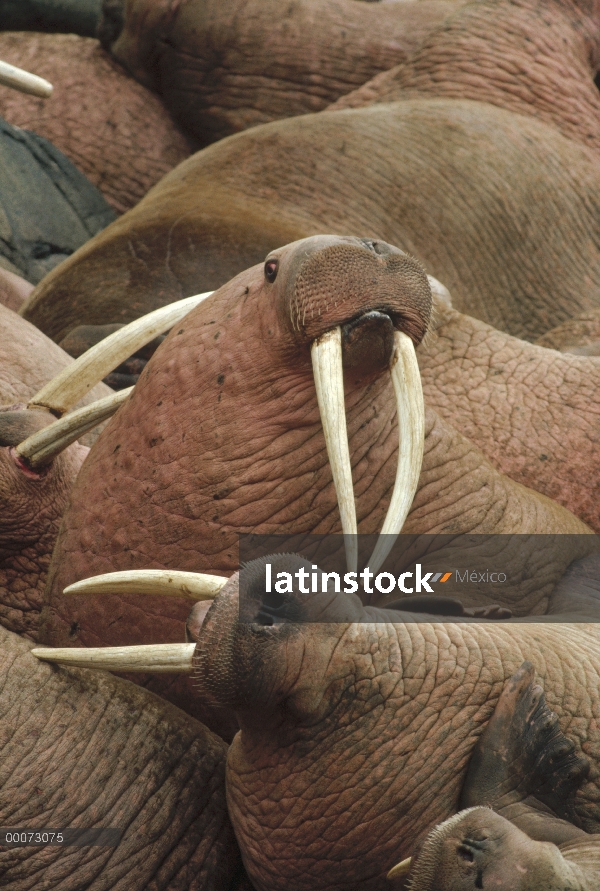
(223, 433)
(478, 848)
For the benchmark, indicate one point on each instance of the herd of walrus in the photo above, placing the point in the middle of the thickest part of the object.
(323, 266)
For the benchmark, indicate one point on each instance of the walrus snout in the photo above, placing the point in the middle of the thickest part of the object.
(329, 280)
(367, 346)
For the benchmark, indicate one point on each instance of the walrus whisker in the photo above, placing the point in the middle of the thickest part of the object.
(408, 390)
(24, 81)
(41, 447)
(165, 582)
(73, 382)
(155, 658)
(326, 355)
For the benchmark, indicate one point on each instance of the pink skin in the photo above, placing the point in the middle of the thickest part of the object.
(31, 504)
(534, 412)
(14, 290)
(113, 129)
(87, 749)
(356, 738)
(483, 849)
(526, 56)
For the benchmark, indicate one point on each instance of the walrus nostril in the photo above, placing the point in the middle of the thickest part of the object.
(275, 609)
(378, 247)
(465, 853)
(271, 267)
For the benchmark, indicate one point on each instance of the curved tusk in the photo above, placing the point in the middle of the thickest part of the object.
(155, 658)
(73, 382)
(41, 447)
(167, 583)
(326, 355)
(18, 79)
(406, 379)
(400, 870)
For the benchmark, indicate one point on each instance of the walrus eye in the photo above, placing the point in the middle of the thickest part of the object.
(271, 267)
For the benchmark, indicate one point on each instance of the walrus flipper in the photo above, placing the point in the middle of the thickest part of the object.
(523, 756)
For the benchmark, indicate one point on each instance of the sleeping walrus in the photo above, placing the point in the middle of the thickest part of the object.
(525, 846)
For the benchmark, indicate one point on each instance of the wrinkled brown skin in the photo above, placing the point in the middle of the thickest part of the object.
(356, 738)
(532, 57)
(112, 128)
(83, 749)
(580, 336)
(14, 290)
(527, 771)
(31, 504)
(451, 182)
(534, 412)
(221, 67)
(222, 435)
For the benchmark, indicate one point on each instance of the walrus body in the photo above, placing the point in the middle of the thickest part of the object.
(112, 128)
(221, 66)
(452, 183)
(31, 504)
(529, 57)
(358, 728)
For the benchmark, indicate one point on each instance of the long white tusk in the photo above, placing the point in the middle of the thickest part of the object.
(155, 658)
(326, 354)
(400, 870)
(191, 585)
(411, 430)
(14, 77)
(41, 447)
(68, 387)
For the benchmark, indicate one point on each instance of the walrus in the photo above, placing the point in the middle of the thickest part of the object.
(225, 433)
(496, 842)
(14, 290)
(533, 58)
(358, 725)
(221, 66)
(39, 455)
(452, 183)
(115, 131)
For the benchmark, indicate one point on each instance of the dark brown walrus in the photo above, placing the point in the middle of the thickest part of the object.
(524, 843)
